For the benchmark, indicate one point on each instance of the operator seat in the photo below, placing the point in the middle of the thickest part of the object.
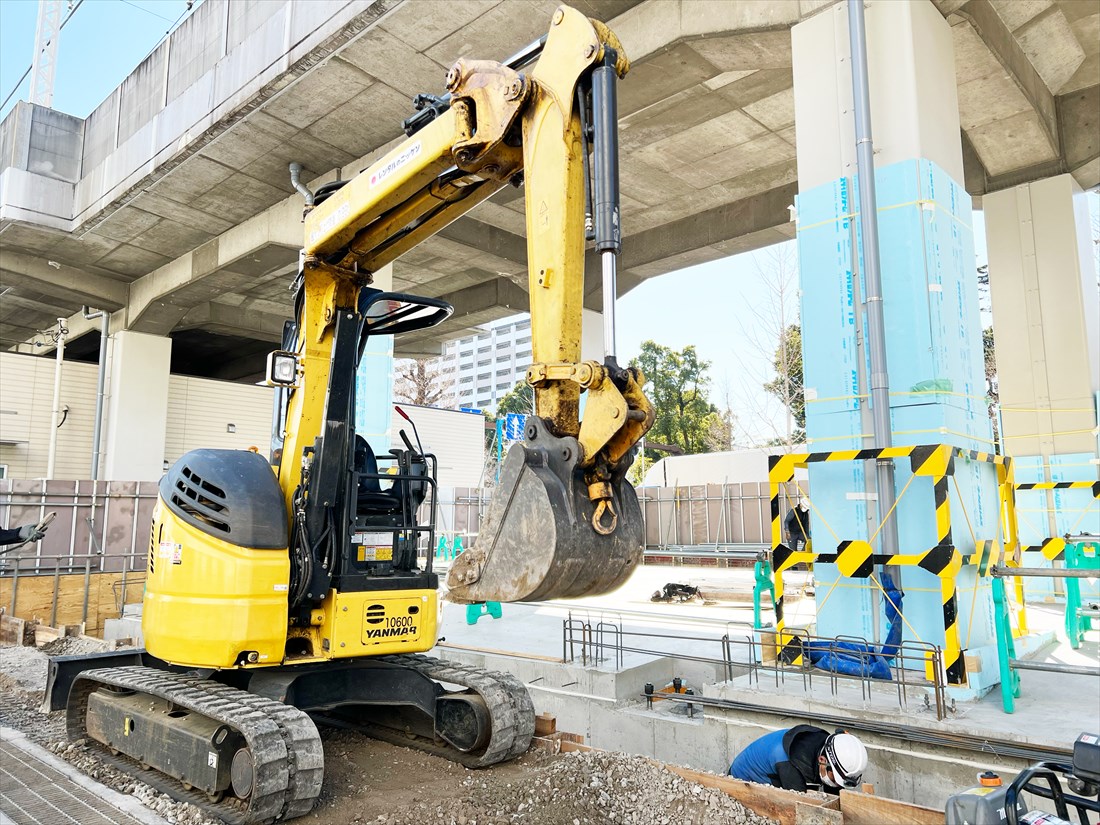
(370, 497)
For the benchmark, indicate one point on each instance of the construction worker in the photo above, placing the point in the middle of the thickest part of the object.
(21, 535)
(797, 525)
(803, 758)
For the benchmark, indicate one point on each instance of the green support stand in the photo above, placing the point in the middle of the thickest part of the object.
(1006, 649)
(1078, 557)
(476, 611)
(762, 571)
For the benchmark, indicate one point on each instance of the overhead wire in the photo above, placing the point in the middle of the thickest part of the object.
(147, 11)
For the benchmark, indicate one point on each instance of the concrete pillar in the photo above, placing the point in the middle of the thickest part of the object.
(1046, 325)
(138, 411)
(929, 289)
(374, 382)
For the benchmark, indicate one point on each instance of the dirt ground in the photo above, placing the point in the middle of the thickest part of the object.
(367, 781)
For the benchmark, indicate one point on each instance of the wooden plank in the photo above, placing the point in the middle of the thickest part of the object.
(545, 724)
(15, 632)
(864, 809)
(786, 807)
(35, 596)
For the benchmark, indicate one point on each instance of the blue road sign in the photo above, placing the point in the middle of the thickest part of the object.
(514, 425)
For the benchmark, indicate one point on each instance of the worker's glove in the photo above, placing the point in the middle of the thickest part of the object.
(30, 532)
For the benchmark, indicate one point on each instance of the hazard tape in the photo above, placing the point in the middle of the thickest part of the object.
(856, 559)
(1063, 485)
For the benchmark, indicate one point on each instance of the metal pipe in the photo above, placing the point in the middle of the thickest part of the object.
(1050, 667)
(51, 461)
(1081, 538)
(977, 743)
(876, 325)
(608, 262)
(1043, 573)
(605, 196)
(296, 182)
(97, 431)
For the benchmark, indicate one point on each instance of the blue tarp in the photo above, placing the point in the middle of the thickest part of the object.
(856, 659)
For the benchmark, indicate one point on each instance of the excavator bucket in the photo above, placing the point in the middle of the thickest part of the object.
(537, 540)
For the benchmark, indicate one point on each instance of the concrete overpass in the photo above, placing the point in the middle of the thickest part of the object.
(170, 205)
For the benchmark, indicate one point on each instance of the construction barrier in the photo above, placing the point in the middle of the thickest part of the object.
(857, 558)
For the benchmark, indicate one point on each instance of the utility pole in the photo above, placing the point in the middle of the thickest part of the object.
(45, 51)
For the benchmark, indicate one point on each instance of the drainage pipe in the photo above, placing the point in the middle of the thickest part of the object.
(51, 461)
(876, 325)
(296, 182)
(97, 433)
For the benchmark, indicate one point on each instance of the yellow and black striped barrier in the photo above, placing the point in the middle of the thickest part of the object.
(856, 558)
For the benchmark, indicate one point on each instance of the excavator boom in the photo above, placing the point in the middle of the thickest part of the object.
(564, 521)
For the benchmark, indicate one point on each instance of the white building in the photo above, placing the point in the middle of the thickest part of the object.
(487, 365)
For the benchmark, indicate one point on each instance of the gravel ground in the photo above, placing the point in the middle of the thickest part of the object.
(375, 783)
(584, 787)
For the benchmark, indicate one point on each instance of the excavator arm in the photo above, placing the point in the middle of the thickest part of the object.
(563, 520)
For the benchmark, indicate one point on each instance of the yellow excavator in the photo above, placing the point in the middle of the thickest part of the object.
(285, 593)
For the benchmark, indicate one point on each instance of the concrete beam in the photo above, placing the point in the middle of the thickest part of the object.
(1078, 117)
(488, 238)
(227, 320)
(159, 300)
(60, 281)
(1007, 50)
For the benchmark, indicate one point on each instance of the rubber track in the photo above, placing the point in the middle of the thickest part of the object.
(511, 713)
(285, 747)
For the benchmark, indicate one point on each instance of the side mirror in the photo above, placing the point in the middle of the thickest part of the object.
(394, 313)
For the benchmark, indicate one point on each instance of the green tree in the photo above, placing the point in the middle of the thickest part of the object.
(787, 384)
(677, 384)
(520, 399)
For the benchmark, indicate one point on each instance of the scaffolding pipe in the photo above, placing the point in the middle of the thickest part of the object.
(1044, 572)
(97, 431)
(51, 461)
(876, 325)
(1051, 667)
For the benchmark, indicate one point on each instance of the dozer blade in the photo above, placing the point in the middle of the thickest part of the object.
(537, 541)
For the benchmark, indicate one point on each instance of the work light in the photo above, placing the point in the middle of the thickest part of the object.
(282, 369)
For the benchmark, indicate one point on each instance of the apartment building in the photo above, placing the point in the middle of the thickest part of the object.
(487, 365)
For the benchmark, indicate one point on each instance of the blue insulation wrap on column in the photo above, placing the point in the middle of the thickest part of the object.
(855, 659)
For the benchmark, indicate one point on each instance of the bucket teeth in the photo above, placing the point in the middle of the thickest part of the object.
(537, 541)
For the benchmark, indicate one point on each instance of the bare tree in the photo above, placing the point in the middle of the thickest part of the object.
(423, 382)
(770, 338)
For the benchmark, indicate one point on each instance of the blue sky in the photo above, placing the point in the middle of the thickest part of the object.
(100, 45)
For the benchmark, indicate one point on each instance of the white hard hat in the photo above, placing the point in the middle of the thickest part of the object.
(847, 758)
(804, 503)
